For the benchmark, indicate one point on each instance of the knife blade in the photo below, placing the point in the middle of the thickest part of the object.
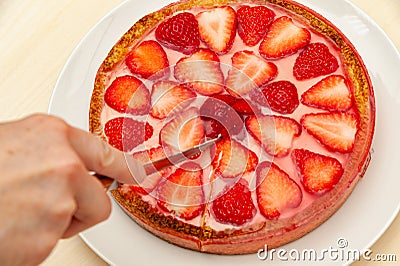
(140, 170)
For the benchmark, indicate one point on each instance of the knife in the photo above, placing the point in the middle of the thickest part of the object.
(140, 171)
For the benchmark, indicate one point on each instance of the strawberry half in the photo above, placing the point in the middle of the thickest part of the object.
(168, 97)
(280, 96)
(183, 131)
(217, 28)
(283, 38)
(181, 193)
(335, 130)
(127, 133)
(248, 72)
(129, 191)
(274, 133)
(153, 154)
(314, 61)
(147, 60)
(331, 93)
(253, 23)
(276, 191)
(245, 107)
(128, 94)
(232, 159)
(234, 205)
(213, 128)
(201, 71)
(219, 109)
(319, 173)
(180, 33)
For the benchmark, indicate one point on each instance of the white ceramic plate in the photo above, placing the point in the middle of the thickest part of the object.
(363, 218)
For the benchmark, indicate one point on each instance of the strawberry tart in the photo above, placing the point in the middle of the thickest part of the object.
(285, 89)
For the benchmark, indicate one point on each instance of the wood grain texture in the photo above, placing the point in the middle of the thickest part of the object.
(36, 39)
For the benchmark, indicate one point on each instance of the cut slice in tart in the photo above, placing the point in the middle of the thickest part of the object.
(284, 87)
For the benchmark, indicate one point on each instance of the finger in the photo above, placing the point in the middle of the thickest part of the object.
(93, 204)
(100, 157)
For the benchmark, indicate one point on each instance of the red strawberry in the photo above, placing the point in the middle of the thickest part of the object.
(128, 94)
(335, 130)
(232, 159)
(183, 131)
(180, 33)
(331, 93)
(201, 71)
(319, 173)
(227, 98)
(168, 97)
(147, 60)
(253, 23)
(213, 128)
(276, 191)
(248, 72)
(217, 27)
(215, 108)
(274, 133)
(314, 61)
(127, 190)
(153, 154)
(127, 133)
(181, 193)
(234, 205)
(280, 96)
(150, 155)
(245, 107)
(283, 38)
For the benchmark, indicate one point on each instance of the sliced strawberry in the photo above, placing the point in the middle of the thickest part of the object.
(214, 128)
(274, 133)
(217, 27)
(335, 130)
(127, 133)
(245, 107)
(201, 71)
(153, 154)
(253, 23)
(241, 105)
(283, 38)
(128, 191)
(280, 96)
(168, 97)
(183, 131)
(331, 93)
(150, 155)
(248, 72)
(276, 191)
(180, 33)
(314, 61)
(234, 205)
(319, 173)
(128, 94)
(181, 193)
(215, 108)
(147, 60)
(226, 98)
(232, 159)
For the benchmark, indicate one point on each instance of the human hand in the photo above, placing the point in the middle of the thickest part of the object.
(46, 192)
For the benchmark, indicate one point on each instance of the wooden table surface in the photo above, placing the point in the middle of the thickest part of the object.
(36, 39)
